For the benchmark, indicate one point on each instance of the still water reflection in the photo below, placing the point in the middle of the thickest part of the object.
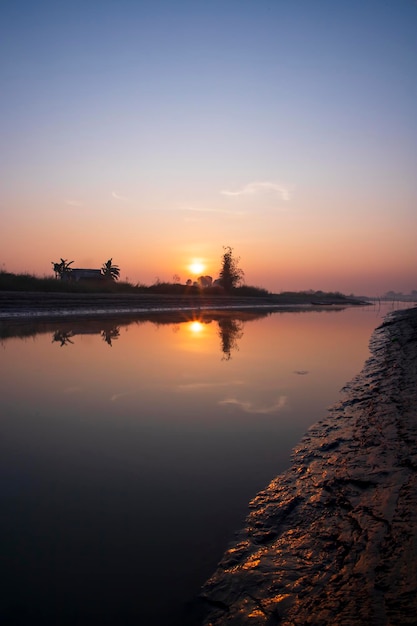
(131, 448)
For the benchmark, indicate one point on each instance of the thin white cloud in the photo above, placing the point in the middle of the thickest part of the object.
(116, 196)
(249, 407)
(197, 386)
(261, 187)
(117, 396)
(74, 203)
(210, 210)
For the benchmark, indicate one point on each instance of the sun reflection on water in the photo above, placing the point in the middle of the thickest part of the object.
(196, 327)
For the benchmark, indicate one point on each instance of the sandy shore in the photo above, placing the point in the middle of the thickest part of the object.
(334, 539)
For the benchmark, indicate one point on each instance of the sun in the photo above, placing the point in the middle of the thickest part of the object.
(196, 267)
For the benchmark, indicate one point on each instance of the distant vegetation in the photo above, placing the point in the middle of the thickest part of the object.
(399, 296)
(71, 280)
(230, 282)
(29, 282)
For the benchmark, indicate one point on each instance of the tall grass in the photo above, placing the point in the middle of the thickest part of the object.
(28, 282)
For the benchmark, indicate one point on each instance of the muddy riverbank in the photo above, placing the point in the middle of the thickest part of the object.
(334, 539)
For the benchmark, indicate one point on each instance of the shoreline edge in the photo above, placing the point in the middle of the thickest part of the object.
(333, 540)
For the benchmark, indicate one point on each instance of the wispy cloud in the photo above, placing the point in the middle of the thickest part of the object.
(72, 389)
(117, 396)
(249, 407)
(117, 196)
(261, 187)
(74, 203)
(212, 210)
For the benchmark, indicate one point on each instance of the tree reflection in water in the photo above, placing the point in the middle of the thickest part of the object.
(110, 334)
(63, 337)
(230, 330)
(230, 326)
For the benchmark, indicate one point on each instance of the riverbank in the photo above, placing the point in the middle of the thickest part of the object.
(41, 305)
(334, 539)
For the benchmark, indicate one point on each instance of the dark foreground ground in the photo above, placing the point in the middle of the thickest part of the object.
(333, 541)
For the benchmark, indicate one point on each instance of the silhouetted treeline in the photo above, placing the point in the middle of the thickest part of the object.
(28, 282)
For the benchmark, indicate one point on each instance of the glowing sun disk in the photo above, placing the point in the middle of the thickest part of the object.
(196, 267)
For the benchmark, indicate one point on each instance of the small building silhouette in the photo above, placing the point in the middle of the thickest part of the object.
(82, 274)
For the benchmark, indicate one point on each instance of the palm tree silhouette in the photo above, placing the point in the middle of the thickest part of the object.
(110, 271)
(63, 337)
(63, 268)
(110, 335)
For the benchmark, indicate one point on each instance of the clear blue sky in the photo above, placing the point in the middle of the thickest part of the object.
(157, 132)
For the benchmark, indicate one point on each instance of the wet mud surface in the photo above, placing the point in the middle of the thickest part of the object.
(334, 539)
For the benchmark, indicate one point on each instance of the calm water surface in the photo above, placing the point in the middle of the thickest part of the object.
(130, 450)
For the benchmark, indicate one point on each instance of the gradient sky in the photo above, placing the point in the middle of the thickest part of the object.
(157, 132)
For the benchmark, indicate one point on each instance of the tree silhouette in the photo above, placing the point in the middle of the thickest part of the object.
(63, 337)
(62, 269)
(230, 330)
(231, 275)
(205, 281)
(110, 334)
(110, 271)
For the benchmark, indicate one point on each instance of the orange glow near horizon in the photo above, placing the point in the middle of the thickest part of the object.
(348, 263)
(93, 173)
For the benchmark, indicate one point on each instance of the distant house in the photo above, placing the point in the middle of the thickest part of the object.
(82, 274)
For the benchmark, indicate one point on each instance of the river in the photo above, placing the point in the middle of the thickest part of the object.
(130, 450)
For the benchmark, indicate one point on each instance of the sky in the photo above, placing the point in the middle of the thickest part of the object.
(157, 132)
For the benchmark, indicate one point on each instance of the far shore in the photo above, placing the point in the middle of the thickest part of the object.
(16, 305)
